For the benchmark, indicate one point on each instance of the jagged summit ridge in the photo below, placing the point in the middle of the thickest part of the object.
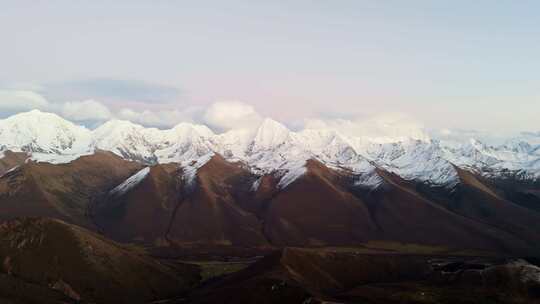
(271, 147)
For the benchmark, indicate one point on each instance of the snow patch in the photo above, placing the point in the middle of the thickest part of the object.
(256, 184)
(370, 180)
(290, 176)
(9, 171)
(57, 158)
(190, 169)
(131, 182)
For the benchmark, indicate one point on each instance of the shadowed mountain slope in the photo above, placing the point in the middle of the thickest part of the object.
(217, 203)
(168, 206)
(63, 191)
(478, 199)
(403, 214)
(210, 212)
(143, 212)
(223, 204)
(316, 210)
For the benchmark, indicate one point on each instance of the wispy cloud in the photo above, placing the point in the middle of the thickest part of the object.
(110, 90)
(86, 110)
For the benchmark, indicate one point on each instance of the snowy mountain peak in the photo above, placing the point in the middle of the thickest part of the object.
(41, 132)
(200, 130)
(270, 134)
(271, 148)
(117, 124)
(37, 116)
(117, 132)
(32, 112)
(476, 143)
(124, 138)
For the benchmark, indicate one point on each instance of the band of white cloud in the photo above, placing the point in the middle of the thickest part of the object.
(12, 101)
(389, 127)
(20, 100)
(165, 118)
(86, 110)
(227, 115)
(222, 116)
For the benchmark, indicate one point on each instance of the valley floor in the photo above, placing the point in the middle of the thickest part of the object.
(378, 272)
(50, 261)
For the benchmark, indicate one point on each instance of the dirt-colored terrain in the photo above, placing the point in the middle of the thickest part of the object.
(324, 238)
(45, 254)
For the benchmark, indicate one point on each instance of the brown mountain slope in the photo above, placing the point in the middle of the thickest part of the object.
(521, 193)
(221, 208)
(84, 266)
(144, 212)
(487, 204)
(316, 210)
(164, 209)
(16, 291)
(62, 191)
(210, 212)
(323, 208)
(477, 199)
(320, 208)
(10, 160)
(403, 214)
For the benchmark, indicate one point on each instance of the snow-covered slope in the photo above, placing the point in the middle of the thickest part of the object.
(415, 160)
(516, 157)
(36, 131)
(135, 142)
(273, 148)
(46, 136)
(184, 142)
(126, 139)
(131, 182)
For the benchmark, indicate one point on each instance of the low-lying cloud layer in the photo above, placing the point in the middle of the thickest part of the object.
(86, 110)
(20, 100)
(382, 127)
(223, 116)
(13, 101)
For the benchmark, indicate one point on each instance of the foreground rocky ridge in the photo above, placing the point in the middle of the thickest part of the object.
(52, 261)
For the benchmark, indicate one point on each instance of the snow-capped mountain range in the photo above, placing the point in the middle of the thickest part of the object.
(271, 147)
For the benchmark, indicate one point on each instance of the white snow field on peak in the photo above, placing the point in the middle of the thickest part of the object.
(272, 147)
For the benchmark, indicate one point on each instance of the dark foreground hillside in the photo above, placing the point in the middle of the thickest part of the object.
(49, 261)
